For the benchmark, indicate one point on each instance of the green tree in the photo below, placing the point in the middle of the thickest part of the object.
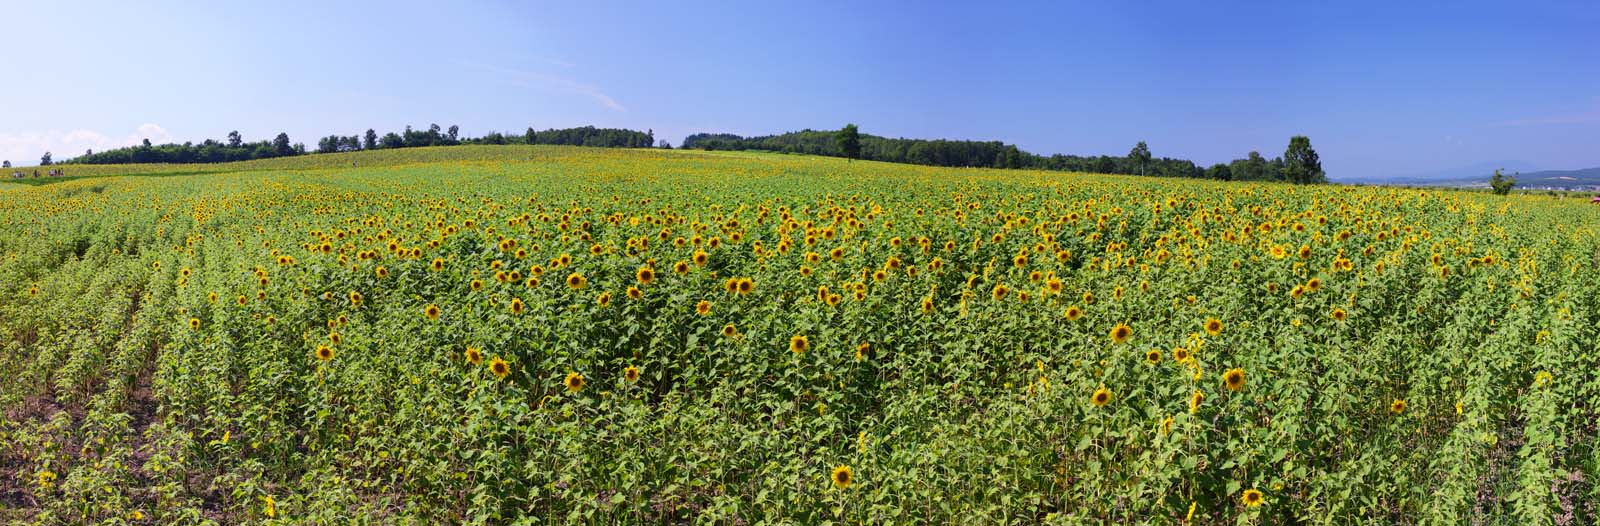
(371, 141)
(1140, 156)
(1300, 162)
(281, 146)
(529, 137)
(45, 161)
(1501, 184)
(234, 139)
(1220, 172)
(848, 139)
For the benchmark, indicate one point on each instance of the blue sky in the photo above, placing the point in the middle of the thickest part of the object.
(1381, 88)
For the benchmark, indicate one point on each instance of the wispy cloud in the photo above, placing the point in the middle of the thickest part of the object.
(555, 62)
(519, 77)
(26, 148)
(1592, 114)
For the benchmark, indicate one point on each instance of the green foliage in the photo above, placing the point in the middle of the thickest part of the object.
(1500, 184)
(1300, 162)
(161, 339)
(235, 149)
(1140, 156)
(848, 139)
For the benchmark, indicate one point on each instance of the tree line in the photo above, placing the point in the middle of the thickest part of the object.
(234, 148)
(1298, 164)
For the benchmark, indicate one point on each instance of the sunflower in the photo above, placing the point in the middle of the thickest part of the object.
(1297, 291)
(745, 285)
(516, 306)
(499, 367)
(576, 281)
(437, 265)
(700, 257)
(355, 299)
(927, 304)
(574, 382)
(1152, 357)
(603, 299)
(630, 373)
(635, 293)
(799, 344)
(729, 330)
(1121, 333)
(703, 308)
(431, 311)
(194, 323)
(842, 476)
(1251, 498)
(1052, 285)
(1233, 379)
(1397, 406)
(474, 356)
(645, 275)
(1101, 397)
(1195, 400)
(1313, 284)
(681, 267)
(1180, 355)
(1213, 326)
(732, 285)
(1073, 313)
(1000, 291)
(1338, 314)
(382, 272)
(324, 353)
(477, 284)
(1088, 298)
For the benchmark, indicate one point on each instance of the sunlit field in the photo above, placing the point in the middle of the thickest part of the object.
(549, 335)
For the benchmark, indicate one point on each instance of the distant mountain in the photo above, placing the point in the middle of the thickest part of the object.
(1585, 179)
(1452, 176)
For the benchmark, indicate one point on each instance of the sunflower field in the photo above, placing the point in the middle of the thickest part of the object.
(551, 335)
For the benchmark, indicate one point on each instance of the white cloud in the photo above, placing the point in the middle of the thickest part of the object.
(25, 149)
(530, 79)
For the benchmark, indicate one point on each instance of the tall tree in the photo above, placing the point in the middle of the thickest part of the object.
(281, 146)
(45, 161)
(234, 139)
(7, 164)
(529, 137)
(1140, 156)
(1300, 162)
(452, 132)
(371, 140)
(848, 139)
